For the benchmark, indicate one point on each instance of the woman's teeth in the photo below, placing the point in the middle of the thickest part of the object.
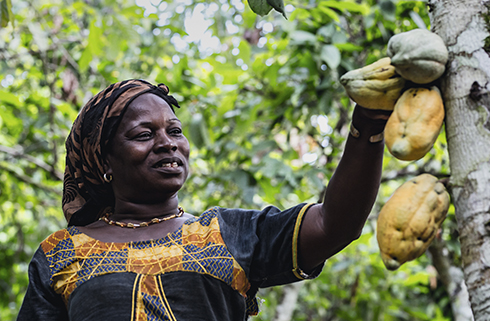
(174, 164)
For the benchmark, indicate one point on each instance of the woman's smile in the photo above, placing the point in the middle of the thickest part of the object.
(172, 165)
(163, 165)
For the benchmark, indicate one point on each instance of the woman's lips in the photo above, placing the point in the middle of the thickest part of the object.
(168, 162)
(172, 164)
(173, 167)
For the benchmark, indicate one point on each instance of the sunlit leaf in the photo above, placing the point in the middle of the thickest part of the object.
(329, 12)
(85, 59)
(347, 5)
(348, 47)
(302, 37)
(331, 55)
(95, 43)
(9, 98)
(39, 36)
(6, 14)
(245, 51)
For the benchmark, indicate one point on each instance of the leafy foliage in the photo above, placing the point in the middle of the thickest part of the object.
(263, 110)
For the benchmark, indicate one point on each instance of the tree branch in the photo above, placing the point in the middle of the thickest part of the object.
(55, 39)
(18, 152)
(405, 172)
(30, 181)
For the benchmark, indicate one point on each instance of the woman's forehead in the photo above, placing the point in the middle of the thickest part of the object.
(144, 100)
(151, 104)
(147, 108)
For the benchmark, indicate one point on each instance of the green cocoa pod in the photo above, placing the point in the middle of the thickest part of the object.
(418, 55)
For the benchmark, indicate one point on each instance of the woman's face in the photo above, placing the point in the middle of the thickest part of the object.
(149, 155)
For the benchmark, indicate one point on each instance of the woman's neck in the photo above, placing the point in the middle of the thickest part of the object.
(130, 210)
(104, 232)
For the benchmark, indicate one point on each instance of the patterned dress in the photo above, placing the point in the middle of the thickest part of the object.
(209, 269)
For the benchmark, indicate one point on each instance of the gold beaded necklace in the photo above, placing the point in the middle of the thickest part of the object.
(155, 220)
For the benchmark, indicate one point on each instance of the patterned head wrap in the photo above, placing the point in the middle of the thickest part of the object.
(85, 193)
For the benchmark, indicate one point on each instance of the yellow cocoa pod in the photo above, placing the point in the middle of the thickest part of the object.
(418, 55)
(375, 86)
(410, 219)
(415, 123)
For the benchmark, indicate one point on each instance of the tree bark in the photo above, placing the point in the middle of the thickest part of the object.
(463, 26)
(452, 280)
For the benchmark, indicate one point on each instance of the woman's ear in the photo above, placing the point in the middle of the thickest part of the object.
(107, 171)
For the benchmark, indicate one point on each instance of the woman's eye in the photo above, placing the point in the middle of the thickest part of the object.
(144, 135)
(176, 131)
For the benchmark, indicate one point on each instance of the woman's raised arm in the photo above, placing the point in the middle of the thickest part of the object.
(329, 227)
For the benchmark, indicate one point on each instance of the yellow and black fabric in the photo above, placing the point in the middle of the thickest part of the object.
(85, 194)
(209, 269)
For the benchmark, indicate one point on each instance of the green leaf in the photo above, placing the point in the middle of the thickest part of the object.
(6, 15)
(388, 9)
(278, 5)
(327, 31)
(227, 103)
(9, 98)
(369, 20)
(11, 121)
(95, 39)
(198, 131)
(329, 12)
(331, 55)
(301, 37)
(418, 278)
(339, 38)
(85, 60)
(260, 7)
(271, 74)
(245, 51)
(240, 178)
(349, 6)
(348, 47)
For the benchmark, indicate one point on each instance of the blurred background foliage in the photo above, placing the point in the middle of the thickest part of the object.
(262, 108)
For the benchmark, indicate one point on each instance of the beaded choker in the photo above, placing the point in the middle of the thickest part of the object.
(155, 220)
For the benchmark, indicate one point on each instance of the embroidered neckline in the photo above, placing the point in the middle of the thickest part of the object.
(73, 230)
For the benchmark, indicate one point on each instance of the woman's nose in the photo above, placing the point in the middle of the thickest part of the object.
(165, 142)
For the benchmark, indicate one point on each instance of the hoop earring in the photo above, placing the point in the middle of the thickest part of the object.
(107, 178)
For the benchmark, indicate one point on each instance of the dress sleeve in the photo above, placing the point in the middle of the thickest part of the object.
(265, 243)
(41, 302)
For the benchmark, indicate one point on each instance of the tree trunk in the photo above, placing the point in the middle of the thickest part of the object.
(452, 280)
(463, 26)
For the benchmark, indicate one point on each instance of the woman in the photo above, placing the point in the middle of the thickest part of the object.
(131, 253)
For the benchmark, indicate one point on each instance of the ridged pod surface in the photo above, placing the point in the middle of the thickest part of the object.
(415, 123)
(410, 219)
(418, 55)
(375, 86)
